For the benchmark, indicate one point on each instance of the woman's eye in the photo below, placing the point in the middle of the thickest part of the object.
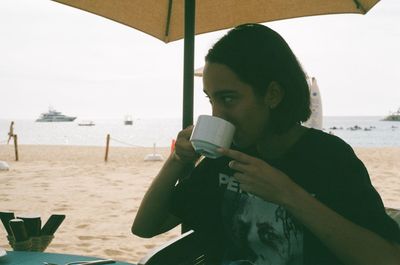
(227, 99)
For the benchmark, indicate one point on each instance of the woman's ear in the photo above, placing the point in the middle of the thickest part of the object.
(274, 95)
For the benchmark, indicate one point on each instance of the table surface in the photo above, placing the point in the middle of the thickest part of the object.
(37, 258)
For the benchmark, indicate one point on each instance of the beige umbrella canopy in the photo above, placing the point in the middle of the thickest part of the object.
(164, 19)
(170, 20)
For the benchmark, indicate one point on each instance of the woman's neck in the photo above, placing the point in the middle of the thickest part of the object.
(276, 145)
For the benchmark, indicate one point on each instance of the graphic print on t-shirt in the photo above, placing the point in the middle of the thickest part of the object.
(261, 232)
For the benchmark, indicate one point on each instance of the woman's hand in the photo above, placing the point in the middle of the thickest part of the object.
(184, 151)
(259, 178)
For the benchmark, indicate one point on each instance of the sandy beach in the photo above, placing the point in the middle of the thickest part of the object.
(100, 199)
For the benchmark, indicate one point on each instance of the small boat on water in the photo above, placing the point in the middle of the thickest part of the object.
(86, 123)
(394, 116)
(128, 120)
(54, 116)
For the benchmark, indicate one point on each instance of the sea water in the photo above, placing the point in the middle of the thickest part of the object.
(143, 132)
(357, 131)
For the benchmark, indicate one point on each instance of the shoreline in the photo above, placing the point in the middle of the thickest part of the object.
(100, 199)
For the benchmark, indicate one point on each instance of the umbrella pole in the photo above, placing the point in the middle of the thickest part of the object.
(188, 71)
(188, 63)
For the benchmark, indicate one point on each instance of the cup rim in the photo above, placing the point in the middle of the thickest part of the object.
(215, 117)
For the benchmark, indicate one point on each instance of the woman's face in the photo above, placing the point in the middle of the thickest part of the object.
(235, 101)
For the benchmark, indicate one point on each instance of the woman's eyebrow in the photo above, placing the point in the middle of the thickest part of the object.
(221, 92)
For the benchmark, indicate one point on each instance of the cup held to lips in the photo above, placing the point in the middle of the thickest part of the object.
(210, 133)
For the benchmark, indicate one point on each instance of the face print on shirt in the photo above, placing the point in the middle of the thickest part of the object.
(262, 232)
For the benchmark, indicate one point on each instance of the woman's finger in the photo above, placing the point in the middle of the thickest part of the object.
(239, 176)
(236, 155)
(238, 166)
(185, 133)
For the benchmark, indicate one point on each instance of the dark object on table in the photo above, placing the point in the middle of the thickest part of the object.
(18, 230)
(185, 249)
(5, 219)
(52, 224)
(32, 223)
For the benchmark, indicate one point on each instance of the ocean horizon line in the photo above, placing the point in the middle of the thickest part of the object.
(172, 118)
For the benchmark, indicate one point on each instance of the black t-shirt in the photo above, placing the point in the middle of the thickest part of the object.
(212, 204)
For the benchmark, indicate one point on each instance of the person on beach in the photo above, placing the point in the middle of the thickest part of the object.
(11, 132)
(283, 193)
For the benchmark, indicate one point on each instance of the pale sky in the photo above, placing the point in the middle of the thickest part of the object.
(91, 67)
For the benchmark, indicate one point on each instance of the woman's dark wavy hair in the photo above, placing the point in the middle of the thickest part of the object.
(258, 55)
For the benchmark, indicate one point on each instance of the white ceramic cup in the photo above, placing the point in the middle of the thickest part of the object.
(210, 133)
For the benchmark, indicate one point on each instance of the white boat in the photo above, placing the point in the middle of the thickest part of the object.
(86, 123)
(54, 116)
(128, 120)
(199, 71)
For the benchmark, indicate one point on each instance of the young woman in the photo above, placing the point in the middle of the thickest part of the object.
(284, 194)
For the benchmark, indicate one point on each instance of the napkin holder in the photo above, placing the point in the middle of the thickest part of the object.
(26, 233)
(37, 243)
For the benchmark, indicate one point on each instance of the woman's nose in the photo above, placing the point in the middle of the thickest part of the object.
(218, 112)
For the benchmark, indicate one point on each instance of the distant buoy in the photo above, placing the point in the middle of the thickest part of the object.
(4, 166)
(154, 156)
